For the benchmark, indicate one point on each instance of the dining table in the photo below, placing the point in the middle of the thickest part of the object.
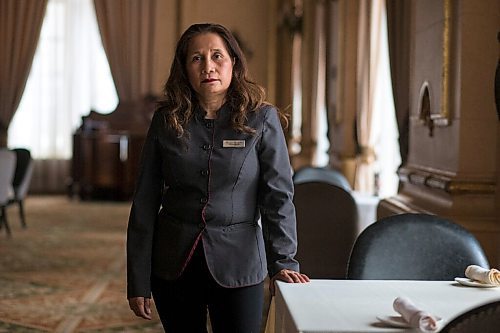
(366, 306)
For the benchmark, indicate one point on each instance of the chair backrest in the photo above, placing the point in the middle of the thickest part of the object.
(414, 247)
(7, 167)
(326, 228)
(324, 175)
(23, 173)
(484, 318)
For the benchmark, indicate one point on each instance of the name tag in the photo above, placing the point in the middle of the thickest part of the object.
(233, 143)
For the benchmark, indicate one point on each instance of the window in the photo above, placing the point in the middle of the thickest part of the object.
(69, 77)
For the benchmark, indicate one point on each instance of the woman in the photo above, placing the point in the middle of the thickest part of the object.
(212, 213)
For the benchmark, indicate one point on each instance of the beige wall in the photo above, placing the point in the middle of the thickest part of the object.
(454, 172)
(249, 19)
(165, 39)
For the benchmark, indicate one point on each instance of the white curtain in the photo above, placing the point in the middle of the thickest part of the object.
(384, 130)
(69, 77)
(377, 128)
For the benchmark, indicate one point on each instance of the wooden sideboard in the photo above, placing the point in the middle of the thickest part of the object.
(107, 150)
(105, 164)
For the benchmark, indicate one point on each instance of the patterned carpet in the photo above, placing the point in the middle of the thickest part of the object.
(66, 271)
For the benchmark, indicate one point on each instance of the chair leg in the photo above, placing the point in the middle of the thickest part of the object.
(21, 213)
(3, 220)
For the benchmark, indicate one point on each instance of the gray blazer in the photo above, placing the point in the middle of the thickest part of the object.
(230, 192)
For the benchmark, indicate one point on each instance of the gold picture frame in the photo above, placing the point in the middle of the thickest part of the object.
(442, 118)
(431, 73)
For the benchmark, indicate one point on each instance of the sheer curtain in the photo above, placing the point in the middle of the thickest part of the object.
(69, 77)
(377, 127)
(384, 124)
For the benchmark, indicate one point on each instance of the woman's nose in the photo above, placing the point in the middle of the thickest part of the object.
(207, 66)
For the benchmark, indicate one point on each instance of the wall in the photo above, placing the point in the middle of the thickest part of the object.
(248, 19)
(165, 39)
(453, 163)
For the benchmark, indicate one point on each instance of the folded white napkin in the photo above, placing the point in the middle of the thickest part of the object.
(414, 316)
(478, 273)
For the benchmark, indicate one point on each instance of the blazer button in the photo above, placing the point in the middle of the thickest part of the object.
(204, 200)
(209, 124)
(201, 225)
(207, 147)
(204, 172)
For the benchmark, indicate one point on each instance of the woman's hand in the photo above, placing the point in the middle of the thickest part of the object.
(141, 306)
(287, 275)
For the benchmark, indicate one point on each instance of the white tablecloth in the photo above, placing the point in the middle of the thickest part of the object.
(351, 306)
(367, 209)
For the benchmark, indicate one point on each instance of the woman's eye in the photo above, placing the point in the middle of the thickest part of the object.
(218, 56)
(196, 58)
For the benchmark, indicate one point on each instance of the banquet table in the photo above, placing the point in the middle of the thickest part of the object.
(352, 306)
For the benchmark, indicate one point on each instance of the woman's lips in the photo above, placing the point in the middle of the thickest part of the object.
(209, 80)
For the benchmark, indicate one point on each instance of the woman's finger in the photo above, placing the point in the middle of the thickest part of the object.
(297, 277)
(140, 306)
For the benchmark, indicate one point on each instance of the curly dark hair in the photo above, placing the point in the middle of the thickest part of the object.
(180, 99)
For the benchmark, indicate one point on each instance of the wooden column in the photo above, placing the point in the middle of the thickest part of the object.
(453, 165)
(341, 72)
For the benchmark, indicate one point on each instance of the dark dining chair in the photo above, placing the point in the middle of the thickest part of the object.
(7, 167)
(484, 318)
(22, 180)
(325, 175)
(326, 228)
(414, 247)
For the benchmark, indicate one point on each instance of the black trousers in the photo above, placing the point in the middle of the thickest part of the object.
(182, 304)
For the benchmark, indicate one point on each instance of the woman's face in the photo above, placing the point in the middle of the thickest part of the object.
(209, 66)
